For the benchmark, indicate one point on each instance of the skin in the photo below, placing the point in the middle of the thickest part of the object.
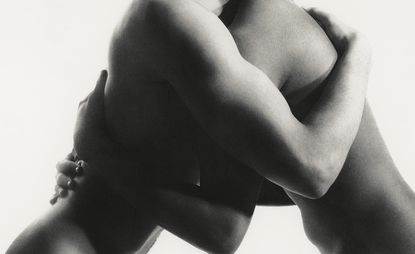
(369, 190)
(146, 130)
(149, 132)
(287, 93)
(237, 105)
(125, 236)
(164, 219)
(355, 216)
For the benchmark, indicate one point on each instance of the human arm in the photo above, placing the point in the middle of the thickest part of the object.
(213, 224)
(243, 111)
(216, 224)
(217, 213)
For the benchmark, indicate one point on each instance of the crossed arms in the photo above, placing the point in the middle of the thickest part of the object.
(244, 112)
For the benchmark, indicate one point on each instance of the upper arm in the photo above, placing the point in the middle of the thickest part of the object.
(235, 102)
(191, 41)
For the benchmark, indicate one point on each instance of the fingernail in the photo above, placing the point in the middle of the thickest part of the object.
(79, 170)
(70, 183)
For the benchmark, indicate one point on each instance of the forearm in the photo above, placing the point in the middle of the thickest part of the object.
(335, 119)
(210, 225)
(241, 108)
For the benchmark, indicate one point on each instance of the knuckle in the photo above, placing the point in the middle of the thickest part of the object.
(58, 175)
(83, 102)
(58, 166)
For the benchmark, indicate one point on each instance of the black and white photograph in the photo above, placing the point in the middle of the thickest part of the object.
(207, 126)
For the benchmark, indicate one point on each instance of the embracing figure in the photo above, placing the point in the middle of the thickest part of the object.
(210, 108)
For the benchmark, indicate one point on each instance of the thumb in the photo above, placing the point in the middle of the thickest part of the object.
(94, 105)
(96, 97)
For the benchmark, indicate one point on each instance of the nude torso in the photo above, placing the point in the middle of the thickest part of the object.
(145, 114)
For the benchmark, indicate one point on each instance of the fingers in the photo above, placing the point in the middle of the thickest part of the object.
(96, 98)
(70, 156)
(59, 193)
(92, 107)
(54, 199)
(101, 82)
(322, 17)
(69, 168)
(337, 31)
(61, 189)
(81, 103)
(64, 181)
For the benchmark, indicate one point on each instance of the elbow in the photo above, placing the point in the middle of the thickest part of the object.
(317, 190)
(228, 238)
(223, 247)
(318, 177)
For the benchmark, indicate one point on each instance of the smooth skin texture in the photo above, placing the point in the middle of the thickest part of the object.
(287, 93)
(168, 206)
(369, 209)
(368, 192)
(126, 231)
(233, 101)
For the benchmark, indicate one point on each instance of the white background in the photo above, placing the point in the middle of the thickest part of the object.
(51, 52)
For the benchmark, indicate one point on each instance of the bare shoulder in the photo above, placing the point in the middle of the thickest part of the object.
(165, 32)
(143, 36)
(281, 39)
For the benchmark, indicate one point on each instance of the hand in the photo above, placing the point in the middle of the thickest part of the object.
(68, 170)
(343, 37)
(94, 148)
(90, 139)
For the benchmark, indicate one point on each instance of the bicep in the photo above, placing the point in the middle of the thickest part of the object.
(234, 102)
